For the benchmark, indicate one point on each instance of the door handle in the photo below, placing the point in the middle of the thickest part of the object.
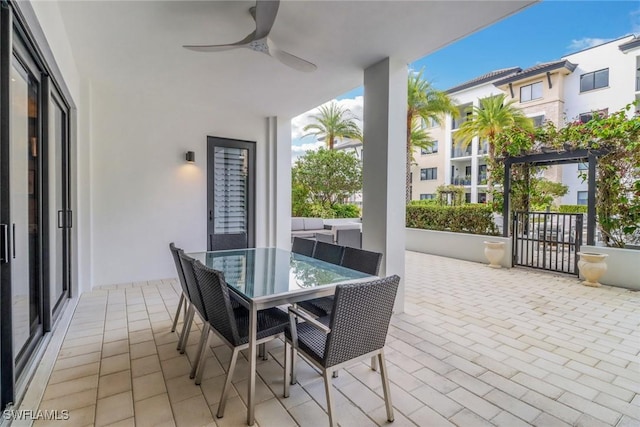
(5, 243)
(69, 219)
(60, 219)
(13, 239)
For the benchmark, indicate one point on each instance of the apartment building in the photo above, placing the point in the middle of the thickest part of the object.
(602, 78)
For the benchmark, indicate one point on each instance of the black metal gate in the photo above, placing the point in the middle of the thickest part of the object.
(547, 240)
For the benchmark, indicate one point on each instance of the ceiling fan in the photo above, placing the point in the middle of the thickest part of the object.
(264, 13)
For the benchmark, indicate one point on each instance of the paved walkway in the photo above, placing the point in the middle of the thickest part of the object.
(475, 347)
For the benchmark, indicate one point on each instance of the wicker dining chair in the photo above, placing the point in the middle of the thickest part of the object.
(303, 246)
(231, 325)
(185, 293)
(196, 305)
(328, 252)
(355, 259)
(357, 329)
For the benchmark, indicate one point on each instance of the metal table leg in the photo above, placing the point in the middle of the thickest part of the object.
(253, 327)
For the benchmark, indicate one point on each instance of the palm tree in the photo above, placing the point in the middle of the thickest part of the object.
(487, 121)
(334, 122)
(424, 104)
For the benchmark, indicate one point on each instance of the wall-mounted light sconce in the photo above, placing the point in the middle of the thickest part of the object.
(190, 156)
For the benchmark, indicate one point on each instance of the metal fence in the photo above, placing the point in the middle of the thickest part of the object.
(547, 240)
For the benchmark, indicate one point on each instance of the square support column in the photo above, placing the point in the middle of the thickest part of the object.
(278, 183)
(384, 166)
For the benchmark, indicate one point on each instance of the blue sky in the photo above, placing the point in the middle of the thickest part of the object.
(541, 33)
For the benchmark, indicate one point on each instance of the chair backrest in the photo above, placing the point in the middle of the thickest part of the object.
(176, 259)
(361, 260)
(328, 252)
(192, 283)
(303, 246)
(215, 295)
(360, 319)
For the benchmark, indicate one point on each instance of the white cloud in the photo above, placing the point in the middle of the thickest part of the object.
(298, 123)
(303, 148)
(585, 43)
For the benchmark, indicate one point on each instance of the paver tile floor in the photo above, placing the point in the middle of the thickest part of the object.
(474, 347)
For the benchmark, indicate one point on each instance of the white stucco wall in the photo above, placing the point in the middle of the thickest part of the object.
(133, 192)
(144, 193)
(622, 78)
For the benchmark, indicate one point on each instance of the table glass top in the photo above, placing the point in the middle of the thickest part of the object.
(261, 272)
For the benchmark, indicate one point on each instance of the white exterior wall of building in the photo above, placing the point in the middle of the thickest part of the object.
(620, 92)
(471, 96)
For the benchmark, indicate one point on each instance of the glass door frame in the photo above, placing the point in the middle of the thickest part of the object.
(250, 146)
(21, 34)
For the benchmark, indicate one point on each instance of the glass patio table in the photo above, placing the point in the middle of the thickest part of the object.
(269, 277)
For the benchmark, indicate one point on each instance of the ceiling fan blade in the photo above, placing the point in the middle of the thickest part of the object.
(264, 13)
(213, 47)
(222, 47)
(291, 60)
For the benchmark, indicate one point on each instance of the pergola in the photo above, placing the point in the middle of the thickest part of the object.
(556, 158)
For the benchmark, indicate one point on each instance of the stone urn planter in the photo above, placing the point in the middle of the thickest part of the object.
(592, 266)
(494, 251)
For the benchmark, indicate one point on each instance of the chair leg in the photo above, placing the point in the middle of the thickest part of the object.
(186, 327)
(385, 386)
(294, 357)
(262, 351)
(374, 363)
(327, 387)
(202, 360)
(202, 346)
(227, 383)
(287, 369)
(175, 318)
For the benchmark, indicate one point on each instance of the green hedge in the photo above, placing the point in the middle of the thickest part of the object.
(469, 218)
(572, 209)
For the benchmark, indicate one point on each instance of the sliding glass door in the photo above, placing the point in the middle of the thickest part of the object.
(35, 215)
(25, 173)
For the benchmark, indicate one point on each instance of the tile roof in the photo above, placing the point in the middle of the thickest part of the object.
(493, 75)
(537, 69)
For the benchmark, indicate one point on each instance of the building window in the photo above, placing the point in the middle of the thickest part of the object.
(583, 166)
(430, 150)
(582, 197)
(531, 92)
(428, 174)
(595, 80)
(427, 196)
(538, 121)
(586, 117)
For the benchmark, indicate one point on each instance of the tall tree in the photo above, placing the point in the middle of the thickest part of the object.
(333, 122)
(487, 121)
(424, 104)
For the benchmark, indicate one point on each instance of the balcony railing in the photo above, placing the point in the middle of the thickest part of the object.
(637, 84)
(482, 179)
(459, 180)
(483, 148)
(457, 122)
(457, 152)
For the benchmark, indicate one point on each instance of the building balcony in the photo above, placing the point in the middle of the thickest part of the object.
(458, 152)
(459, 180)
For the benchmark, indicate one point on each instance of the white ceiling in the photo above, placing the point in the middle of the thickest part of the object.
(138, 44)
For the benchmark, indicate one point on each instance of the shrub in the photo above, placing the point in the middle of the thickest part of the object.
(346, 211)
(469, 218)
(573, 209)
